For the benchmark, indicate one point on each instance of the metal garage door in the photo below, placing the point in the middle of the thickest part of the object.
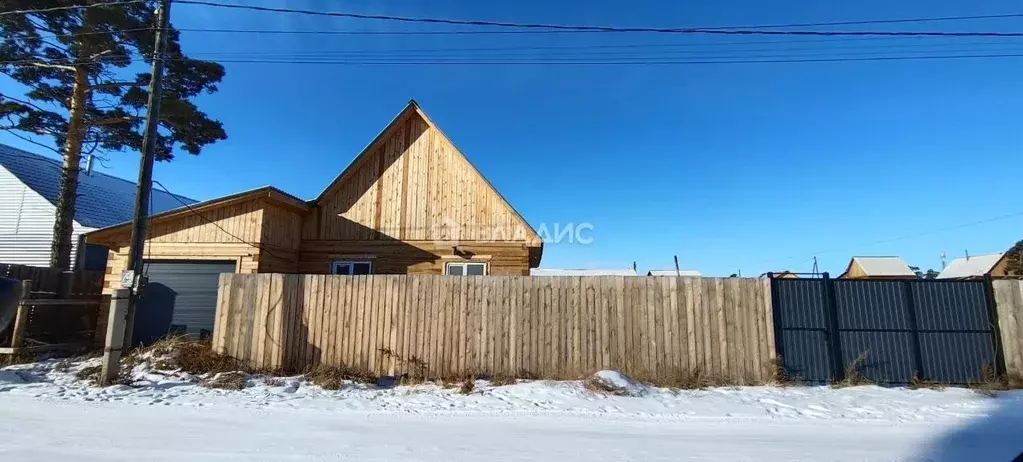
(181, 297)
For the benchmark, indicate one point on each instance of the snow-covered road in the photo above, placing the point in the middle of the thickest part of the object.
(47, 415)
(42, 431)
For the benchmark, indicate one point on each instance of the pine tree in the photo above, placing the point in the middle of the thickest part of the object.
(1014, 260)
(85, 87)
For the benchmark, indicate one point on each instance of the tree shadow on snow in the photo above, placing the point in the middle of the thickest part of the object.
(996, 437)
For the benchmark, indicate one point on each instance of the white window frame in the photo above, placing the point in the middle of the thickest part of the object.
(465, 266)
(335, 264)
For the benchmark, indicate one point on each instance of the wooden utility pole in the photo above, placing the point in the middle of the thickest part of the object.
(131, 279)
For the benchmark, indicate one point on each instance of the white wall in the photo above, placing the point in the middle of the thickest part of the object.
(26, 224)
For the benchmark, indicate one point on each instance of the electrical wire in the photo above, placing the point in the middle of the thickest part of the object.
(735, 30)
(617, 61)
(70, 7)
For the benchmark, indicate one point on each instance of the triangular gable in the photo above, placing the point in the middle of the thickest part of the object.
(412, 183)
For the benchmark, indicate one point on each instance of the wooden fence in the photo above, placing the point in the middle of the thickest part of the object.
(546, 326)
(1009, 298)
(54, 280)
(52, 309)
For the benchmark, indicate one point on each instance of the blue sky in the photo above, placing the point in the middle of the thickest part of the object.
(750, 167)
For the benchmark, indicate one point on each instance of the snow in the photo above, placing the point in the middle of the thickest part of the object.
(50, 415)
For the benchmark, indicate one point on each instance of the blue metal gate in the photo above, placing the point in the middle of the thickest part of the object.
(940, 331)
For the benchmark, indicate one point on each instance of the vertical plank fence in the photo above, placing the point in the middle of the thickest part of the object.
(1009, 301)
(557, 327)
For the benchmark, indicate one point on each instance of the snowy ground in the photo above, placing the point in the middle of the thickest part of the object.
(49, 415)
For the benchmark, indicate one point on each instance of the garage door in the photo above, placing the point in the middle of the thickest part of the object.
(181, 297)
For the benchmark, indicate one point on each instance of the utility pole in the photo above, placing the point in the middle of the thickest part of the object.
(131, 278)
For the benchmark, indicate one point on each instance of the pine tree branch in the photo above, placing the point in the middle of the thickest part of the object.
(53, 66)
(27, 139)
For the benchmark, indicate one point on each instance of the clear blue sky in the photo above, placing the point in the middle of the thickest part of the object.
(729, 166)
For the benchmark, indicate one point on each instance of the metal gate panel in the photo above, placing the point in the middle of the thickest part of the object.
(903, 329)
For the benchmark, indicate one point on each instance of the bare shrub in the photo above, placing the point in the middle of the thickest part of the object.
(332, 377)
(226, 381)
(467, 387)
(500, 380)
(596, 385)
(917, 383)
(853, 374)
(685, 379)
(779, 376)
(89, 373)
(189, 355)
(991, 382)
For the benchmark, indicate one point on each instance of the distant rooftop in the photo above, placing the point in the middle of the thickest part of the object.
(671, 272)
(103, 200)
(974, 266)
(581, 272)
(884, 266)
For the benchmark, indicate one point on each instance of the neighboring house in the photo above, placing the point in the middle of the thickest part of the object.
(877, 268)
(781, 275)
(975, 267)
(29, 186)
(671, 272)
(582, 272)
(409, 203)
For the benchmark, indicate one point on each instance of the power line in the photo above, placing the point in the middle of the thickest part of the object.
(736, 30)
(874, 21)
(70, 7)
(188, 206)
(901, 238)
(638, 60)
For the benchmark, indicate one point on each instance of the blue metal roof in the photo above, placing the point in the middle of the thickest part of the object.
(103, 200)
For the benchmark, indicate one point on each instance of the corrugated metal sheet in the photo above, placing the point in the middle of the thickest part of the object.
(180, 297)
(938, 330)
(804, 344)
(26, 224)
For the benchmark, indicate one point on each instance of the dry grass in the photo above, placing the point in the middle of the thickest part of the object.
(189, 355)
(686, 379)
(598, 386)
(19, 358)
(273, 381)
(780, 377)
(332, 377)
(500, 380)
(467, 387)
(89, 373)
(853, 374)
(917, 383)
(991, 382)
(226, 381)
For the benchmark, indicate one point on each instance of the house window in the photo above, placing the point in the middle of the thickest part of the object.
(349, 268)
(466, 269)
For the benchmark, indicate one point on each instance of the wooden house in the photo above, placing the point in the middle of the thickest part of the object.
(877, 268)
(409, 203)
(976, 267)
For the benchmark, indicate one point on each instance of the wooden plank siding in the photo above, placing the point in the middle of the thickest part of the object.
(556, 327)
(409, 203)
(1009, 302)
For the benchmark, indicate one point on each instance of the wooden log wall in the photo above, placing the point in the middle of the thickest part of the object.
(556, 327)
(1009, 300)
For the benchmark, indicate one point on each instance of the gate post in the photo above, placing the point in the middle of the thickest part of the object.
(996, 330)
(834, 339)
(918, 357)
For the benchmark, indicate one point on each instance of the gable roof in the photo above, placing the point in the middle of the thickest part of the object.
(964, 267)
(268, 192)
(671, 272)
(882, 266)
(103, 200)
(413, 108)
(581, 272)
